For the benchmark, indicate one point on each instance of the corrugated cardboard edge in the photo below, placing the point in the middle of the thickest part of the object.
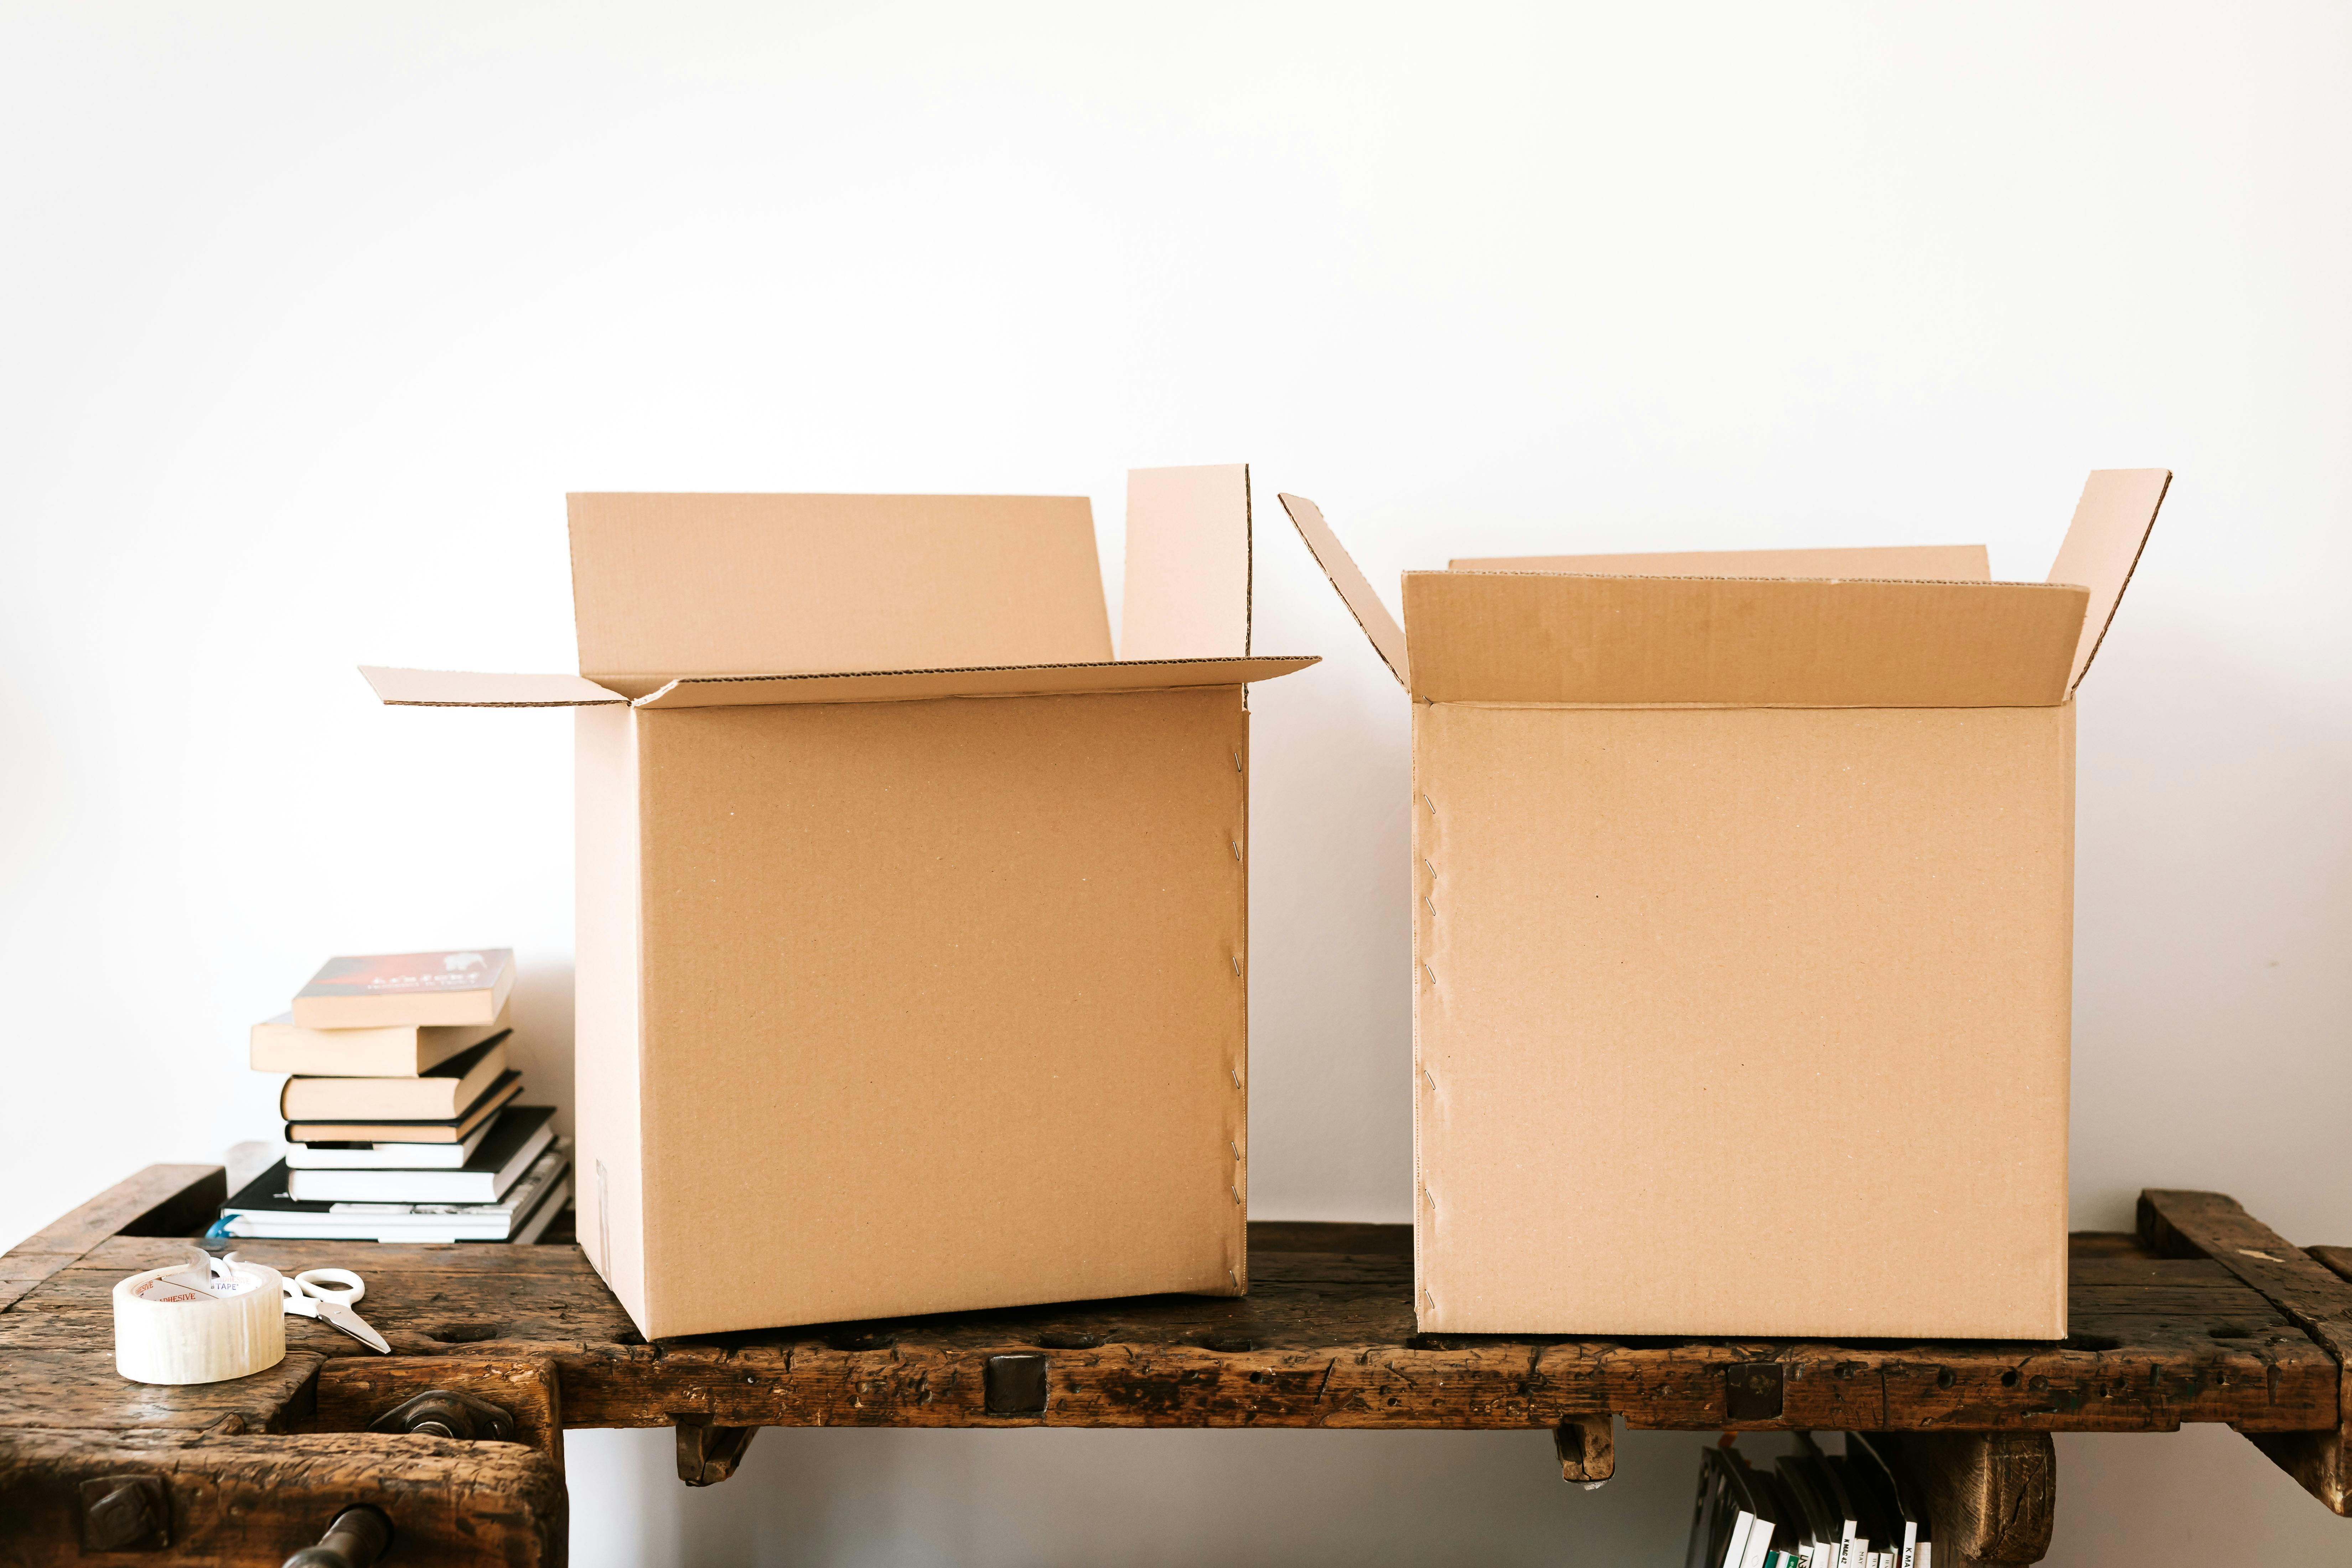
(397, 688)
(1354, 588)
(463, 689)
(987, 680)
(1936, 562)
(1188, 563)
(2103, 546)
(1237, 1268)
(608, 1191)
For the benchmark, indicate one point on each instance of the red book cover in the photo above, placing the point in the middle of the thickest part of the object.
(466, 986)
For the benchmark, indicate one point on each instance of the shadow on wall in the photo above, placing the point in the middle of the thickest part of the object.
(540, 1009)
(2213, 909)
(1239, 1498)
(1050, 1495)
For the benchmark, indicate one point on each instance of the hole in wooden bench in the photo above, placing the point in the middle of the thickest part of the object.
(466, 1333)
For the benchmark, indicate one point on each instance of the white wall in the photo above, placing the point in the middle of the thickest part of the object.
(309, 316)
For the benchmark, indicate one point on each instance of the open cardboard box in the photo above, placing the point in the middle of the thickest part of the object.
(1743, 932)
(913, 926)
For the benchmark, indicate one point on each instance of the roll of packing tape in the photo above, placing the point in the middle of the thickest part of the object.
(167, 1330)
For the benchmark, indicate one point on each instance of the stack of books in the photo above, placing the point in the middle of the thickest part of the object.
(1812, 1509)
(402, 1113)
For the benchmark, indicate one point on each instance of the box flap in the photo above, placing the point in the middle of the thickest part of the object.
(1000, 680)
(666, 585)
(466, 689)
(2103, 544)
(1502, 636)
(1939, 563)
(1188, 563)
(1355, 590)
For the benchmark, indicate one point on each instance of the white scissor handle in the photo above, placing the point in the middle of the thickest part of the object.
(322, 1283)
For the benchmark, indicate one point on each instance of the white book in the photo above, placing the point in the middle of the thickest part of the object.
(1735, 1554)
(536, 1224)
(515, 1140)
(384, 1156)
(1759, 1542)
(411, 1222)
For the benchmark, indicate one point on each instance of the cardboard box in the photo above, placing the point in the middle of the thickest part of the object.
(913, 926)
(1743, 932)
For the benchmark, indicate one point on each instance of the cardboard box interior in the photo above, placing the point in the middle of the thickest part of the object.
(1743, 932)
(912, 924)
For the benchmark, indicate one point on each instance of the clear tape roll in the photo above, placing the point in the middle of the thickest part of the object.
(169, 1334)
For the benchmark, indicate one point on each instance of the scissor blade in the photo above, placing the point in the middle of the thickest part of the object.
(352, 1323)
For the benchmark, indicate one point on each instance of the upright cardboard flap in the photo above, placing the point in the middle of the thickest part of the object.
(1938, 562)
(664, 585)
(466, 689)
(1504, 637)
(1355, 589)
(922, 685)
(2103, 544)
(1188, 563)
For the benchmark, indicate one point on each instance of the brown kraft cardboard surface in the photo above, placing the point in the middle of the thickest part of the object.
(913, 954)
(1743, 937)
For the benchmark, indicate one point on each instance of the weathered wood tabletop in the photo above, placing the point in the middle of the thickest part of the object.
(2205, 1315)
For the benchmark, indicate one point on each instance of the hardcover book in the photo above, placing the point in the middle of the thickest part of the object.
(387, 1050)
(440, 1093)
(449, 1129)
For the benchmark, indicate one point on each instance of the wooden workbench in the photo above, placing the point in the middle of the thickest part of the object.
(2203, 1315)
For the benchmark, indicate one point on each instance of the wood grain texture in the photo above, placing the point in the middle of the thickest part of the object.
(353, 1391)
(2305, 1290)
(1325, 1339)
(1993, 1496)
(708, 1454)
(161, 1200)
(1586, 1448)
(250, 1503)
(70, 1384)
(2207, 1317)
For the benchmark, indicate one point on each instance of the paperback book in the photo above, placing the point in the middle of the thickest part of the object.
(442, 989)
(267, 1209)
(513, 1142)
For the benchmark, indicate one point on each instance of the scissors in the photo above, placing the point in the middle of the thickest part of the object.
(327, 1294)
